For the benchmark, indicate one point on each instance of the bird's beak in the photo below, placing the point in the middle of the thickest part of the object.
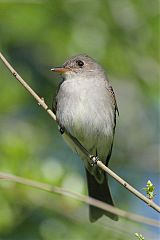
(60, 69)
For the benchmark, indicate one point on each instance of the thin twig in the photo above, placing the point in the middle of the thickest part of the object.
(80, 197)
(98, 162)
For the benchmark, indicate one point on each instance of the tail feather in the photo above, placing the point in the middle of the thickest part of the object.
(102, 193)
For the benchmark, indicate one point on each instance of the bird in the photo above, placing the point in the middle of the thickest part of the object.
(85, 107)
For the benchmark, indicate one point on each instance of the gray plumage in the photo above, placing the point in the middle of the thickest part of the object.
(86, 108)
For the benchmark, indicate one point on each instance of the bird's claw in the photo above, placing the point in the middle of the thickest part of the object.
(94, 160)
(61, 129)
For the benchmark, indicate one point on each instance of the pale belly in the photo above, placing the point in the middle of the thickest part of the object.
(88, 118)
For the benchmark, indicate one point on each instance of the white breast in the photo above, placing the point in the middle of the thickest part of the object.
(85, 110)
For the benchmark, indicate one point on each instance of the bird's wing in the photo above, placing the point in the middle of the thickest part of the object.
(116, 111)
(54, 106)
(54, 102)
(111, 92)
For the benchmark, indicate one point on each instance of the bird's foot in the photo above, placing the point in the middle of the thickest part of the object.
(94, 160)
(61, 129)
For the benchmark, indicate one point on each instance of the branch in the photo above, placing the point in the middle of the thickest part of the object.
(42, 103)
(80, 197)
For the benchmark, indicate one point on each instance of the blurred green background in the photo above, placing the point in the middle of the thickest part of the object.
(123, 36)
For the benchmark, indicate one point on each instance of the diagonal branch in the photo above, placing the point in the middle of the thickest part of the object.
(82, 148)
(80, 197)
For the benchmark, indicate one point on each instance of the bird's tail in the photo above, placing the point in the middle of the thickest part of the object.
(102, 193)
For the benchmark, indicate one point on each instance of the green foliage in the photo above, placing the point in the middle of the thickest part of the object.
(139, 236)
(150, 190)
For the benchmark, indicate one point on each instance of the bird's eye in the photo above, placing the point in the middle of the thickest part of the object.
(80, 63)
